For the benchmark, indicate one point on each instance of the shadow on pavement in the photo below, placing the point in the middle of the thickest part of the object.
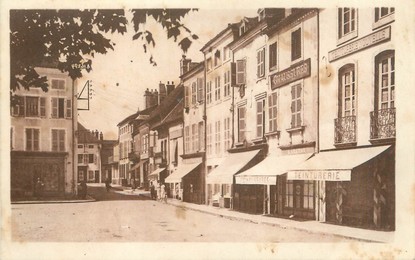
(101, 194)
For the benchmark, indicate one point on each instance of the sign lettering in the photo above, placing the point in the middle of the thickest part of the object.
(265, 180)
(333, 175)
(363, 43)
(293, 73)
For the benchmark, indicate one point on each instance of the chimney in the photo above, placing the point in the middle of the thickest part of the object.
(184, 65)
(101, 136)
(156, 97)
(170, 87)
(162, 91)
(147, 98)
(96, 134)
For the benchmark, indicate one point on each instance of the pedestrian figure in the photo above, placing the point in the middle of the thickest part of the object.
(83, 190)
(108, 184)
(158, 191)
(38, 188)
(163, 195)
(152, 191)
(177, 190)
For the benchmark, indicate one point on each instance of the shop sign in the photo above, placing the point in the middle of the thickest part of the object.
(270, 180)
(332, 175)
(297, 71)
(363, 43)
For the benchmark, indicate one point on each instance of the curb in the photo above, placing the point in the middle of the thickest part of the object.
(89, 199)
(259, 222)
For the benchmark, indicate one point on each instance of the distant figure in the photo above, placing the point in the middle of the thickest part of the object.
(158, 191)
(152, 191)
(163, 195)
(38, 188)
(108, 184)
(83, 190)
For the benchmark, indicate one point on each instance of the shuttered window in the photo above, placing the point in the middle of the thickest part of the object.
(209, 92)
(240, 72)
(272, 112)
(260, 118)
(194, 93)
(260, 62)
(58, 140)
(32, 139)
(241, 123)
(273, 55)
(68, 108)
(186, 96)
(200, 92)
(296, 44)
(296, 106)
(58, 84)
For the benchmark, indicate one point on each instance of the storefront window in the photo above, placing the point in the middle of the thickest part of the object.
(308, 194)
(289, 196)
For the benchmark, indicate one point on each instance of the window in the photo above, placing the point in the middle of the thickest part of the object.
(32, 106)
(226, 53)
(260, 118)
(80, 158)
(272, 112)
(187, 139)
(260, 57)
(90, 158)
(227, 132)
(217, 88)
(347, 91)
(217, 58)
(227, 84)
(201, 136)
(347, 23)
(217, 137)
(296, 106)
(209, 64)
(91, 146)
(186, 96)
(144, 144)
(200, 88)
(81, 175)
(209, 139)
(308, 195)
(90, 175)
(58, 140)
(19, 108)
(242, 29)
(261, 14)
(289, 194)
(273, 55)
(32, 139)
(241, 123)
(209, 92)
(384, 13)
(385, 81)
(195, 138)
(58, 108)
(80, 146)
(240, 72)
(194, 93)
(296, 44)
(86, 158)
(58, 84)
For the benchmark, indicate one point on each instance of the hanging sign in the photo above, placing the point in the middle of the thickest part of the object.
(297, 71)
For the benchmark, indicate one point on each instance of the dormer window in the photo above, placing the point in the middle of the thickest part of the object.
(217, 58)
(242, 29)
(261, 14)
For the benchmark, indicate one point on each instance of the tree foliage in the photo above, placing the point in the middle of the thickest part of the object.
(69, 39)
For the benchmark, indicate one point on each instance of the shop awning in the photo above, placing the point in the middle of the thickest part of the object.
(335, 165)
(266, 171)
(232, 164)
(182, 171)
(155, 174)
(134, 167)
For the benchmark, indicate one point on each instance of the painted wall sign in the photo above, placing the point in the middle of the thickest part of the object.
(270, 180)
(333, 175)
(361, 44)
(297, 71)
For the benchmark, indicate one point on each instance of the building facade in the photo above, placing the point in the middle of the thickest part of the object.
(89, 155)
(43, 127)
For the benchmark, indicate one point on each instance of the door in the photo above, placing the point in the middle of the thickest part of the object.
(299, 198)
(96, 176)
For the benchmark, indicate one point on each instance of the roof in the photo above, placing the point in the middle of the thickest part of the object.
(296, 13)
(85, 136)
(199, 65)
(175, 115)
(231, 26)
(167, 105)
(146, 111)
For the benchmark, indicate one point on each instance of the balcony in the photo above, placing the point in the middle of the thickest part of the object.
(383, 125)
(345, 131)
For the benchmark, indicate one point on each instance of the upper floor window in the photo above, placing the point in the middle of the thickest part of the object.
(241, 123)
(217, 58)
(383, 16)
(209, 64)
(209, 92)
(347, 24)
(385, 81)
(58, 140)
(194, 93)
(32, 139)
(200, 88)
(91, 146)
(296, 44)
(227, 133)
(260, 118)
(242, 29)
(217, 88)
(260, 57)
(30, 106)
(273, 55)
(227, 83)
(195, 138)
(61, 107)
(58, 84)
(241, 72)
(296, 106)
(209, 139)
(187, 139)
(272, 112)
(217, 137)
(81, 146)
(347, 91)
(201, 136)
(226, 53)
(186, 96)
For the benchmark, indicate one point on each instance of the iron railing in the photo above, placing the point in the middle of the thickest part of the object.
(383, 123)
(345, 130)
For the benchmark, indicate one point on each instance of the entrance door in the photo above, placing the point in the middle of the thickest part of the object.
(299, 199)
(96, 176)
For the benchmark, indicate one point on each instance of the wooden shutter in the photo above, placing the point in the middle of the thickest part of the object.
(233, 74)
(54, 108)
(270, 115)
(293, 106)
(54, 140)
(42, 106)
(200, 88)
(258, 63)
(296, 44)
(61, 140)
(263, 62)
(186, 96)
(240, 72)
(69, 108)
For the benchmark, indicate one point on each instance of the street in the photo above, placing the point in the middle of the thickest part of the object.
(117, 217)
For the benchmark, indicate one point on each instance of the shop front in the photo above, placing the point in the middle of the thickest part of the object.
(157, 176)
(355, 187)
(256, 188)
(220, 181)
(184, 182)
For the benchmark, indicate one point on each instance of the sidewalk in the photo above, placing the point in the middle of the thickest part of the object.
(311, 226)
(54, 200)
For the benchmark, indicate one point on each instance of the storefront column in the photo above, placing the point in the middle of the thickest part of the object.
(321, 201)
(269, 199)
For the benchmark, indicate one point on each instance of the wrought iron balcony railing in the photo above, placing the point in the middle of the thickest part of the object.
(382, 123)
(345, 130)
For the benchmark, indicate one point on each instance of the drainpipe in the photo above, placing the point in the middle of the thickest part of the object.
(74, 187)
(205, 134)
(319, 203)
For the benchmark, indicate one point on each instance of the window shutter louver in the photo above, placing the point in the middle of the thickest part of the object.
(42, 107)
(258, 62)
(200, 87)
(68, 108)
(186, 96)
(54, 108)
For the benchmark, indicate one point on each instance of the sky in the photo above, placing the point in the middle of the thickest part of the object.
(120, 77)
